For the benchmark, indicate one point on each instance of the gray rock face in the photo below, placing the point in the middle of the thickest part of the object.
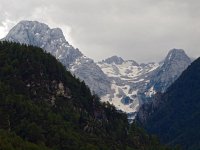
(114, 59)
(128, 80)
(174, 64)
(124, 83)
(51, 40)
(87, 70)
(54, 42)
(141, 82)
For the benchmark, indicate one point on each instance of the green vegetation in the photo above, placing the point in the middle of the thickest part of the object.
(10, 141)
(42, 106)
(177, 118)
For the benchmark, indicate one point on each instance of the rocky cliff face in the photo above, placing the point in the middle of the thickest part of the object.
(40, 35)
(113, 60)
(86, 69)
(174, 64)
(172, 67)
(127, 78)
(54, 42)
(133, 84)
(124, 83)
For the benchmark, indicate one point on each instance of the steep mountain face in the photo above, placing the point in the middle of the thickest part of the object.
(175, 115)
(133, 84)
(87, 70)
(51, 40)
(114, 59)
(54, 42)
(123, 77)
(174, 64)
(43, 107)
(124, 83)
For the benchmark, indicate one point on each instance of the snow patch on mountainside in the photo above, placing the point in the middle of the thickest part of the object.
(123, 76)
(133, 84)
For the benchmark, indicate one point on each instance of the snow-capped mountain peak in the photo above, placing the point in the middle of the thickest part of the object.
(54, 42)
(25, 32)
(124, 83)
(51, 40)
(132, 84)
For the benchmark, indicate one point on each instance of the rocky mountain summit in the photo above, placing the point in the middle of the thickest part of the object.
(54, 42)
(40, 35)
(114, 59)
(133, 84)
(174, 64)
(124, 83)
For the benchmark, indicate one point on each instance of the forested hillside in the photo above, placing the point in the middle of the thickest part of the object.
(43, 106)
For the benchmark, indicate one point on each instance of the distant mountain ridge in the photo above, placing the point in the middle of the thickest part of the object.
(174, 116)
(114, 59)
(124, 83)
(133, 84)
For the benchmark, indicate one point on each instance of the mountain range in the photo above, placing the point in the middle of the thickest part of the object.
(132, 84)
(44, 106)
(123, 83)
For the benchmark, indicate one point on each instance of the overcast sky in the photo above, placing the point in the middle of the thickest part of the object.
(143, 30)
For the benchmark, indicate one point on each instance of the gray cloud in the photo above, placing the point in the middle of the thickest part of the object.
(143, 30)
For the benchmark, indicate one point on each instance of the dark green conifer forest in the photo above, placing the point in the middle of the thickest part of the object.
(44, 107)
